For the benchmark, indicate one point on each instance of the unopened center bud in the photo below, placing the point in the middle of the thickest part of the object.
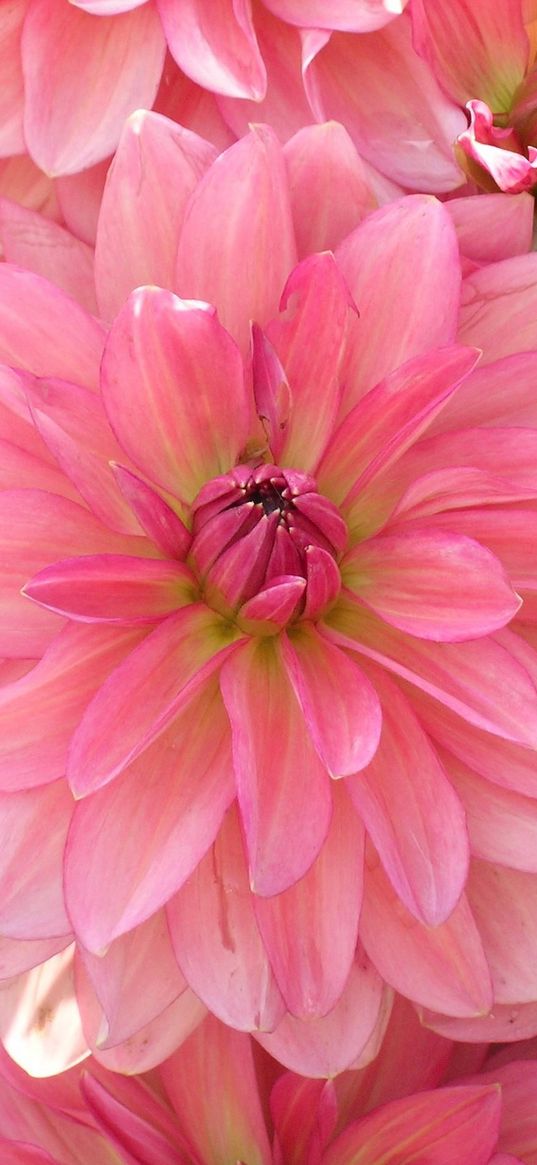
(266, 545)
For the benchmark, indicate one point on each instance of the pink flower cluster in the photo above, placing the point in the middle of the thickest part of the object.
(268, 582)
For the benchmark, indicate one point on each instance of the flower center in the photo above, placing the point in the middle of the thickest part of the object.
(265, 538)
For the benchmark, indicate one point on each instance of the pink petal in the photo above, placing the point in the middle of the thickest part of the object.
(442, 967)
(503, 903)
(159, 521)
(33, 822)
(499, 307)
(410, 811)
(319, 159)
(500, 394)
(64, 131)
(509, 534)
(79, 197)
(502, 824)
(12, 92)
(347, 15)
(326, 1046)
(271, 391)
(21, 468)
(389, 419)
(172, 380)
(517, 1082)
(36, 527)
(398, 116)
(273, 607)
(39, 1018)
(225, 961)
(338, 702)
(34, 315)
(158, 1138)
(312, 959)
(151, 1044)
(213, 1087)
(451, 1124)
(285, 821)
(434, 494)
(481, 680)
(169, 812)
(412, 580)
(19, 955)
(507, 1023)
(308, 339)
(486, 60)
(237, 245)
(222, 53)
(34, 242)
(492, 227)
(155, 169)
(130, 990)
(39, 712)
(402, 262)
(113, 588)
(304, 1113)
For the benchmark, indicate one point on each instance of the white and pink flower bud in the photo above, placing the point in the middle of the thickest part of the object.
(266, 546)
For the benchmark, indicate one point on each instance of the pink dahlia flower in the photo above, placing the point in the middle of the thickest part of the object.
(219, 1099)
(251, 567)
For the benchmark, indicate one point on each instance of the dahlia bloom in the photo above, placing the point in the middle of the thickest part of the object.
(488, 65)
(240, 557)
(55, 52)
(218, 1099)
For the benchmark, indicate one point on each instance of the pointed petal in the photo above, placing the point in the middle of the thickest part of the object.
(237, 246)
(128, 1130)
(285, 821)
(308, 338)
(172, 814)
(319, 159)
(225, 962)
(39, 1018)
(172, 380)
(159, 521)
(39, 712)
(34, 315)
(501, 394)
(312, 959)
(151, 1044)
(64, 131)
(339, 704)
(155, 169)
(79, 198)
(30, 240)
(402, 261)
(507, 1023)
(19, 955)
(33, 822)
(113, 588)
(326, 1046)
(410, 811)
(345, 15)
(222, 53)
(498, 307)
(442, 967)
(145, 693)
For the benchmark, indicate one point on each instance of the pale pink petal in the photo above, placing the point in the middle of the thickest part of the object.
(388, 420)
(155, 169)
(171, 812)
(224, 960)
(34, 242)
(312, 962)
(79, 197)
(39, 712)
(39, 1018)
(213, 1087)
(34, 315)
(174, 390)
(157, 1137)
(195, 108)
(486, 58)
(499, 307)
(339, 704)
(500, 394)
(398, 116)
(134, 981)
(507, 1023)
(412, 580)
(113, 588)
(34, 827)
(12, 91)
(518, 1082)
(24, 1112)
(22, 181)
(285, 821)
(413, 816)
(220, 53)
(144, 694)
(19, 468)
(442, 967)
(451, 1124)
(491, 156)
(308, 338)
(433, 495)
(320, 159)
(401, 262)
(346, 15)
(67, 54)
(20, 955)
(503, 902)
(492, 227)
(151, 1044)
(481, 680)
(237, 245)
(106, 7)
(502, 824)
(46, 527)
(326, 1046)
